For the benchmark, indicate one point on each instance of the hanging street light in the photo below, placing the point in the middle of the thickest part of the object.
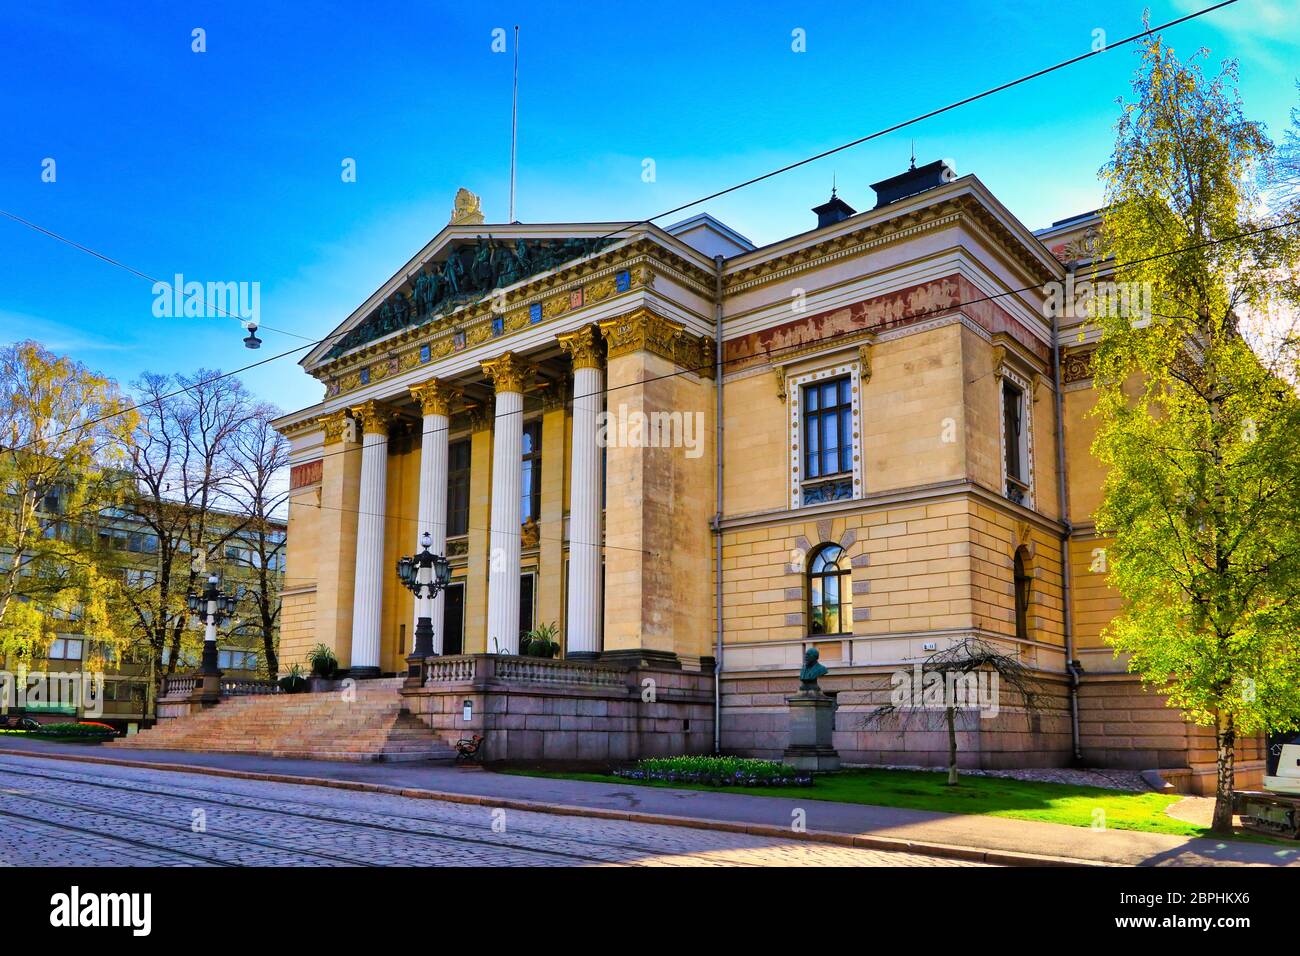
(213, 606)
(424, 574)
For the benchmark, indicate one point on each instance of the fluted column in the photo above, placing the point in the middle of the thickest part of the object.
(584, 614)
(368, 595)
(435, 400)
(508, 374)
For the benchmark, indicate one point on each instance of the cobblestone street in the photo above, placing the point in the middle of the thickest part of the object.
(54, 815)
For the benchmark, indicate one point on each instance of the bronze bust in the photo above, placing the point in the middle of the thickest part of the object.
(810, 671)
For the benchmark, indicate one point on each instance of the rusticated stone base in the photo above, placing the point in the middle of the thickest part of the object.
(755, 723)
(1121, 725)
(529, 708)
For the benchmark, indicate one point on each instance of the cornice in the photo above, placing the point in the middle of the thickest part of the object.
(956, 210)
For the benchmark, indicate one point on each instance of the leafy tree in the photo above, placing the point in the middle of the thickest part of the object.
(1200, 426)
(66, 430)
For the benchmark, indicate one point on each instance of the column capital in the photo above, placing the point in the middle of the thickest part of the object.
(583, 346)
(435, 396)
(644, 330)
(508, 372)
(339, 427)
(375, 418)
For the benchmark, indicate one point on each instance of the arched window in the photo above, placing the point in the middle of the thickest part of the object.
(1021, 579)
(830, 591)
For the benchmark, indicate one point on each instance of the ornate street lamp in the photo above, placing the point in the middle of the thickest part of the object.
(213, 606)
(424, 574)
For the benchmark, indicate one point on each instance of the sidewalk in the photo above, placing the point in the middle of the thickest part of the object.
(992, 839)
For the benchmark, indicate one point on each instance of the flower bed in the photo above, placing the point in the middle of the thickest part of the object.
(84, 732)
(717, 772)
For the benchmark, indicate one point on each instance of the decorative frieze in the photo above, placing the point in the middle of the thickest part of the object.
(504, 314)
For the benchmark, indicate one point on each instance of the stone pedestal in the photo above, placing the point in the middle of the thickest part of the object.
(811, 716)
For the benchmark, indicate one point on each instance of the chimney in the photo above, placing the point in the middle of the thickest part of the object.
(915, 180)
(833, 211)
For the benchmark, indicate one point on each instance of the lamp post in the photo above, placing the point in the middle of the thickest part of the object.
(424, 574)
(214, 606)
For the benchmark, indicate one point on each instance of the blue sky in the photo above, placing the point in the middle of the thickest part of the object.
(225, 165)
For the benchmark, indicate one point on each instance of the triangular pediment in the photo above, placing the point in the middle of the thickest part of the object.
(463, 265)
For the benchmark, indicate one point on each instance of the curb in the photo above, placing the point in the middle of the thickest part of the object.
(860, 841)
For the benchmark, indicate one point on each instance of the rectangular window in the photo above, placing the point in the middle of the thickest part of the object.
(530, 494)
(65, 649)
(827, 428)
(1015, 442)
(458, 487)
(1011, 424)
(526, 603)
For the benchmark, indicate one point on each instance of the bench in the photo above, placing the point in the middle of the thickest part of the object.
(466, 749)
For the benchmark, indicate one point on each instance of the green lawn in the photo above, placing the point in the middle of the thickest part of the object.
(994, 796)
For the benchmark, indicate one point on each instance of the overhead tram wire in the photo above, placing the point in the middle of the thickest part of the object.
(37, 227)
(770, 353)
(929, 115)
(722, 192)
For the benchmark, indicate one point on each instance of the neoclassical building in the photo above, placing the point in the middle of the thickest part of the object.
(887, 452)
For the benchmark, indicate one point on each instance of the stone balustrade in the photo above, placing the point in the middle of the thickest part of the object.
(512, 669)
(247, 687)
(531, 708)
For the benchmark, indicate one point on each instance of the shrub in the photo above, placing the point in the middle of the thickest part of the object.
(718, 772)
(323, 661)
(293, 682)
(74, 730)
(541, 641)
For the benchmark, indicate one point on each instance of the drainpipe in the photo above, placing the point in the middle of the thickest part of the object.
(717, 517)
(1063, 496)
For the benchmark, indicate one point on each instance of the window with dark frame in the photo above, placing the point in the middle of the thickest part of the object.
(1021, 580)
(828, 428)
(530, 495)
(830, 591)
(526, 603)
(458, 487)
(1014, 444)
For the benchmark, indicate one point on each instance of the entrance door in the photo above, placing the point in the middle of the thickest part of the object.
(453, 619)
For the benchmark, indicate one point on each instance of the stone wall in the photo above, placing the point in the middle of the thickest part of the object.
(534, 709)
(1122, 725)
(754, 724)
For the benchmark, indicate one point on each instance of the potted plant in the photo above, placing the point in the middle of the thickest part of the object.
(541, 641)
(324, 666)
(293, 682)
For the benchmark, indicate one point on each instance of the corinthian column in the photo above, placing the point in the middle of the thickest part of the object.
(435, 400)
(583, 619)
(508, 374)
(368, 595)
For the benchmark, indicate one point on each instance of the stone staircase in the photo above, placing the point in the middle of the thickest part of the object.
(374, 725)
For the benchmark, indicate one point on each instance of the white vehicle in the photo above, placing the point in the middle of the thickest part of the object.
(1275, 809)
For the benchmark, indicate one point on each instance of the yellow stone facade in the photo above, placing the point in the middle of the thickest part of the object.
(926, 306)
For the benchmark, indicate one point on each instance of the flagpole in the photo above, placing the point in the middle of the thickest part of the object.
(514, 126)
